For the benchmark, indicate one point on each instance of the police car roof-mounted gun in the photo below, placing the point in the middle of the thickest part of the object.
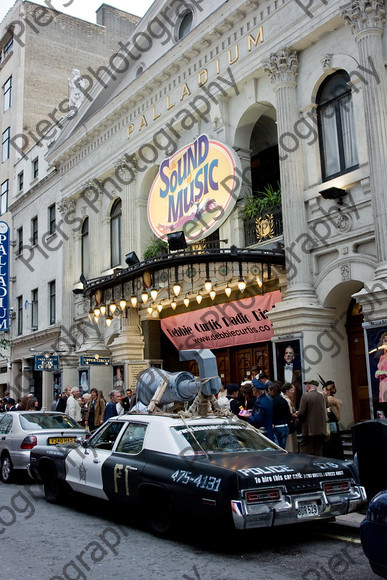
(156, 387)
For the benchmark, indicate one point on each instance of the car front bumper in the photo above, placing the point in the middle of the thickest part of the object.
(286, 511)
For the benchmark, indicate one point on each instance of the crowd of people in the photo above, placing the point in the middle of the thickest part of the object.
(272, 407)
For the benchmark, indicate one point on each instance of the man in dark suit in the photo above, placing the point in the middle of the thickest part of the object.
(126, 401)
(313, 417)
(61, 406)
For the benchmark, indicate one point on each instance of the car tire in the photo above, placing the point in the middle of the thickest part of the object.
(160, 514)
(7, 470)
(54, 488)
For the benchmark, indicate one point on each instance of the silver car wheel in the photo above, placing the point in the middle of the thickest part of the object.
(6, 469)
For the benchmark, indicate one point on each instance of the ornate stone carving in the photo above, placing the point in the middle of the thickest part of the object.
(326, 61)
(282, 66)
(92, 186)
(343, 223)
(127, 166)
(66, 205)
(364, 14)
(345, 271)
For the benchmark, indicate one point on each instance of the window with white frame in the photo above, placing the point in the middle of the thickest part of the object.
(85, 258)
(5, 142)
(34, 309)
(35, 168)
(20, 181)
(52, 301)
(19, 302)
(4, 197)
(336, 124)
(7, 94)
(34, 230)
(115, 233)
(19, 241)
(52, 219)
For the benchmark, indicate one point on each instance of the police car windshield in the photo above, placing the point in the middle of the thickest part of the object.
(219, 439)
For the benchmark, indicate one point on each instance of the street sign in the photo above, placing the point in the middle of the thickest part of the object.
(94, 360)
(46, 363)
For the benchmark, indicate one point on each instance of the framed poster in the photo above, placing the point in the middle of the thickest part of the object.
(376, 341)
(287, 363)
(118, 378)
(83, 381)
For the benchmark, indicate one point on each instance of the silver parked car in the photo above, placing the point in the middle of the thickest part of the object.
(20, 431)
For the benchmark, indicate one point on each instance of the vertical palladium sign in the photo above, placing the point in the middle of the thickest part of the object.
(4, 277)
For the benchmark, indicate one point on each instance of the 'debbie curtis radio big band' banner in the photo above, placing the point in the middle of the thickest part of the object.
(240, 322)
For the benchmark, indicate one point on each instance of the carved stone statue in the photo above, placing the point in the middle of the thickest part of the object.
(76, 86)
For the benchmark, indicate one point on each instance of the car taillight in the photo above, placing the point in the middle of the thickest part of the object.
(29, 442)
(257, 496)
(336, 487)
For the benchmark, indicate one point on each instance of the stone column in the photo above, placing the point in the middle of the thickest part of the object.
(282, 68)
(366, 19)
(129, 344)
(47, 391)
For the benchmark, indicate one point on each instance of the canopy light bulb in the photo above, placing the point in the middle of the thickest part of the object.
(176, 289)
(259, 281)
(173, 305)
(199, 298)
(112, 308)
(144, 297)
(108, 320)
(133, 301)
(150, 309)
(212, 294)
(103, 309)
(159, 307)
(97, 311)
(228, 291)
(122, 303)
(186, 301)
(241, 285)
(208, 285)
(153, 294)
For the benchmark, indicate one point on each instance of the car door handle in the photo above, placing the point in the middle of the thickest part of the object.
(96, 461)
(3, 438)
(131, 468)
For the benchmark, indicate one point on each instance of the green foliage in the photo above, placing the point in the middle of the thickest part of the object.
(262, 202)
(156, 248)
(5, 344)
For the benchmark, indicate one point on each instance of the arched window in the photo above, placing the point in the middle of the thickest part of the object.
(85, 255)
(185, 25)
(336, 126)
(115, 233)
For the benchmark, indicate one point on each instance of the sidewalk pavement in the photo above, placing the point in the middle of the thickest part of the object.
(352, 520)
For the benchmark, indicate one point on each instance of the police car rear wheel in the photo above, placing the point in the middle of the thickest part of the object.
(160, 514)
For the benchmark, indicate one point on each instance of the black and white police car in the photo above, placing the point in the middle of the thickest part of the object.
(205, 467)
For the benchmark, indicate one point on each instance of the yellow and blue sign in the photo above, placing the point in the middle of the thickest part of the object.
(195, 190)
(4, 277)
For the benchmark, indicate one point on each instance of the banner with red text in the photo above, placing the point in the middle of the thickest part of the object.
(239, 322)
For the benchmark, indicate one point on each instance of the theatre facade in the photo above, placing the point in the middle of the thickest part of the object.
(222, 185)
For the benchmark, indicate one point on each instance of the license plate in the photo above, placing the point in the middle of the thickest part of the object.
(60, 440)
(307, 510)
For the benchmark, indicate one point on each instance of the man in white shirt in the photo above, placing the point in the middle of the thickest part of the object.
(73, 408)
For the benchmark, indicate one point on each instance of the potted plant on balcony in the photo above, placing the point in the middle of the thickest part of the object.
(262, 202)
(156, 248)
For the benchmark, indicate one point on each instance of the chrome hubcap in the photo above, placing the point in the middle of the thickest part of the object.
(6, 468)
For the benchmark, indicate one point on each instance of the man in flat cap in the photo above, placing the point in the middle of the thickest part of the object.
(313, 416)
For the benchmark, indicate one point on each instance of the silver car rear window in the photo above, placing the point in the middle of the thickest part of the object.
(38, 421)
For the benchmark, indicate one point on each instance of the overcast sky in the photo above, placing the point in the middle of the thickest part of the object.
(85, 9)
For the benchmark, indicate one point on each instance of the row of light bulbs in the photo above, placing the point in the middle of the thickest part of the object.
(108, 312)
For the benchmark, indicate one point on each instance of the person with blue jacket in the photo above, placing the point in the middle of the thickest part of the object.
(262, 413)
